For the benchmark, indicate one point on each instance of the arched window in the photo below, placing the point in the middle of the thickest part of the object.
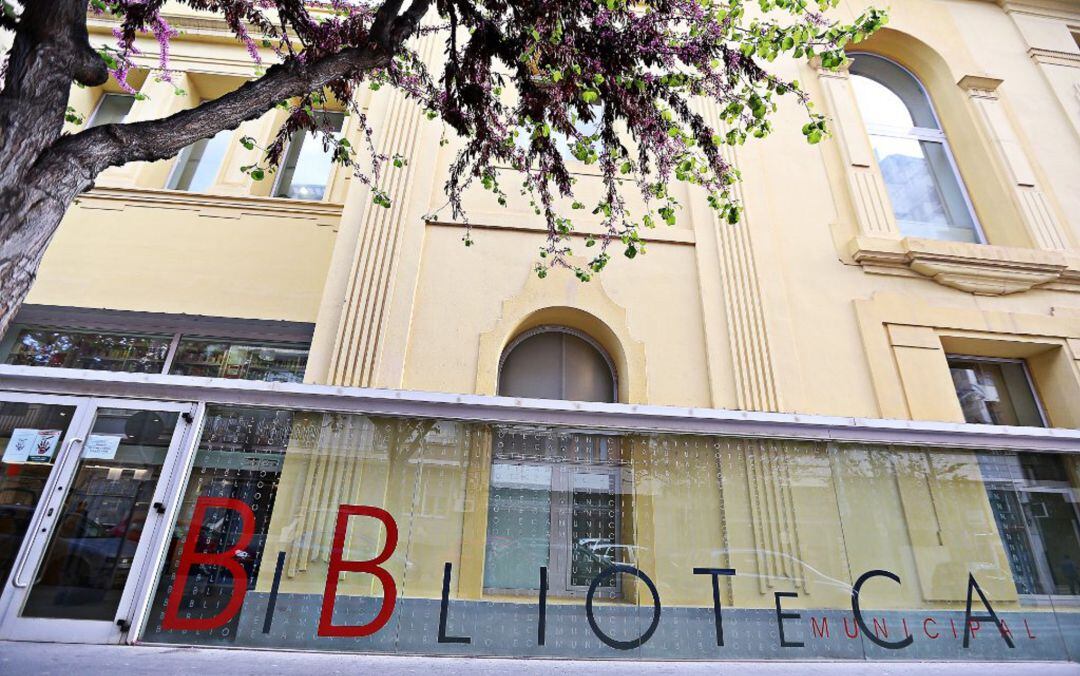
(555, 362)
(927, 194)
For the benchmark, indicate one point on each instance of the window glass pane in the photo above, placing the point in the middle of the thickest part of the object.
(248, 361)
(926, 197)
(889, 95)
(594, 534)
(30, 437)
(112, 109)
(198, 164)
(92, 547)
(995, 393)
(89, 350)
(306, 167)
(519, 526)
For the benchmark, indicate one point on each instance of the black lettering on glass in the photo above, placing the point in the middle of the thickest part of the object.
(268, 620)
(857, 612)
(612, 571)
(717, 609)
(444, 609)
(968, 617)
(781, 616)
(541, 627)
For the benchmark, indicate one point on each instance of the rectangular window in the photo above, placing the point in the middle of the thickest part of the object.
(89, 350)
(197, 165)
(213, 358)
(995, 391)
(112, 109)
(555, 505)
(306, 166)
(172, 353)
(1034, 504)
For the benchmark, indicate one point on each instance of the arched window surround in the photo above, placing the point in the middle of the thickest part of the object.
(929, 130)
(555, 328)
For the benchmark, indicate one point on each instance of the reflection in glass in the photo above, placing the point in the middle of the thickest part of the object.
(89, 350)
(30, 438)
(927, 196)
(198, 164)
(306, 167)
(250, 361)
(493, 503)
(995, 392)
(93, 544)
(112, 109)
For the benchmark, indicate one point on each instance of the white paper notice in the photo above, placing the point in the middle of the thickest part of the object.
(30, 445)
(101, 446)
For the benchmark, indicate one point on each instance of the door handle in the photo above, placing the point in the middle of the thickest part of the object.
(38, 529)
(159, 508)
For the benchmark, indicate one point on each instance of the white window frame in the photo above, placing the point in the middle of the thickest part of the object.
(922, 134)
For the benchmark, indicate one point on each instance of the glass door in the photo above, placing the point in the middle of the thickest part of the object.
(99, 517)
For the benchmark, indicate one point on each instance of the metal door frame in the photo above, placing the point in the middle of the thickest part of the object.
(148, 554)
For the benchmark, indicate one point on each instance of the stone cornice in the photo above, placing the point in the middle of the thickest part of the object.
(980, 269)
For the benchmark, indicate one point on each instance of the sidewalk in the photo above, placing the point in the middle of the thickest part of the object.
(25, 659)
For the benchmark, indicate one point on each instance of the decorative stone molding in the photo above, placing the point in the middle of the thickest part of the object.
(873, 212)
(216, 206)
(979, 269)
(1036, 211)
(562, 300)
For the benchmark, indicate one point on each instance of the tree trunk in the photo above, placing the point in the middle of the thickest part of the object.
(42, 172)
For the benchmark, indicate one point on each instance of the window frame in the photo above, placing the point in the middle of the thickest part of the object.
(560, 537)
(182, 158)
(331, 176)
(558, 328)
(101, 101)
(919, 134)
(157, 325)
(949, 357)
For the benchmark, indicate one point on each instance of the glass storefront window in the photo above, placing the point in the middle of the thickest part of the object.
(251, 361)
(206, 357)
(89, 350)
(329, 531)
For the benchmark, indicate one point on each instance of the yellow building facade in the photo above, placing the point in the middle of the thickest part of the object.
(872, 382)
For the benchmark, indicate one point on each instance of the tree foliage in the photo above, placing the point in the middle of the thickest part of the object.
(522, 83)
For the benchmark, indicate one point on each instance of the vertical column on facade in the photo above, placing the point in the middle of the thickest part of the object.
(349, 333)
(873, 212)
(1038, 214)
(231, 180)
(766, 463)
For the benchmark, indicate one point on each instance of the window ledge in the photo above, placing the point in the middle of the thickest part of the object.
(324, 213)
(980, 269)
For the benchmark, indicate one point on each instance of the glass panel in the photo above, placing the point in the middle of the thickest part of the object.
(30, 438)
(89, 350)
(307, 162)
(787, 529)
(926, 196)
(594, 529)
(249, 361)
(519, 526)
(888, 95)
(198, 164)
(112, 109)
(97, 531)
(995, 392)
